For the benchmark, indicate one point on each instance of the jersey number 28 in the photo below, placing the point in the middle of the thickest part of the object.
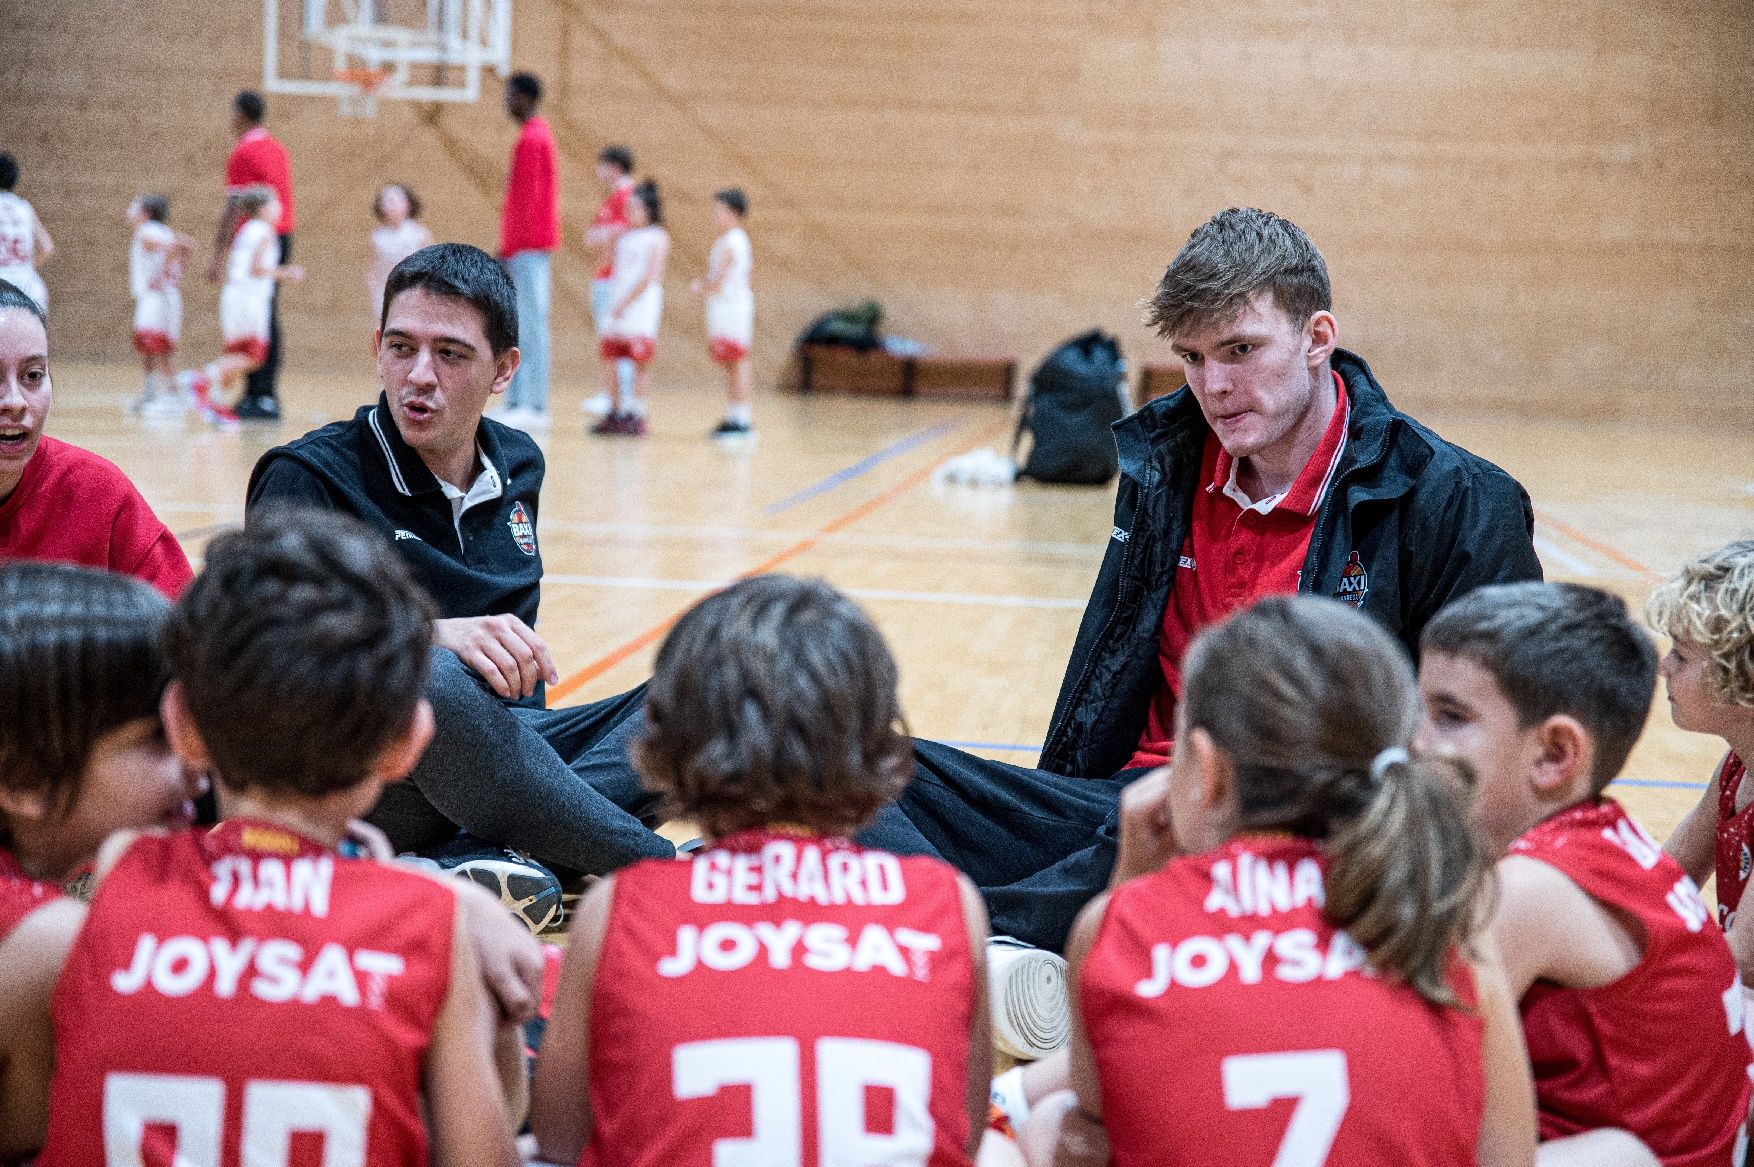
(845, 1067)
(1315, 1078)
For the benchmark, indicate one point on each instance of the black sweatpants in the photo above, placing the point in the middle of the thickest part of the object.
(558, 784)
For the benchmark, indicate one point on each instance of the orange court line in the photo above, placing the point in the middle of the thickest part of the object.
(1612, 554)
(603, 664)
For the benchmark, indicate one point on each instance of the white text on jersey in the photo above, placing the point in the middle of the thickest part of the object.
(1262, 887)
(179, 965)
(727, 945)
(269, 881)
(1294, 956)
(797, 871)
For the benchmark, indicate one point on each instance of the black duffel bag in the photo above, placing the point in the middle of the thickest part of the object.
(1074, 399)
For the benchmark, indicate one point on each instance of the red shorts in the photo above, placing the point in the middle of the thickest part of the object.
(726, 352)
(154, 344)
(638, 349)
(255, 348)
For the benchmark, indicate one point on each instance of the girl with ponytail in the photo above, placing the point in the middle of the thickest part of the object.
(1305, 983)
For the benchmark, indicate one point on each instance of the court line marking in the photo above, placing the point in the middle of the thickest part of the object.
(1612, 554)
(863, 466)
(615, 656)
(973, 599)
(1547, 549)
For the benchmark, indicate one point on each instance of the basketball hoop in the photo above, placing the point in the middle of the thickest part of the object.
(360, 97)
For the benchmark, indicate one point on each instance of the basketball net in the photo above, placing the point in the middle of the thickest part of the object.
(361, 98)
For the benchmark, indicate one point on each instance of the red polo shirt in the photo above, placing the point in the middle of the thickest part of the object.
(259, 159)
(1235, 554)
(530, 220)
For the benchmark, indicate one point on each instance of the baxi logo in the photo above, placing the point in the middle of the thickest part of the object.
(523, 530)
(1354, 583)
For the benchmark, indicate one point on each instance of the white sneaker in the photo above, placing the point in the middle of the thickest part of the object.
(164, 407)
(598, 406)
(1027, 986)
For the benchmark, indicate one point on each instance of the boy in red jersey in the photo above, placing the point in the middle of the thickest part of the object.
(1707, 610)
(236, 994)
(1630, 1001)
(785, 997)
(1315, 941)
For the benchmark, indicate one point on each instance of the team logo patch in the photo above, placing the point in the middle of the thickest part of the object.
(1747, 861)
(523, 530)
(1354, 583)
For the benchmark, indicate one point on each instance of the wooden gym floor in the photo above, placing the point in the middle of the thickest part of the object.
(979, 590)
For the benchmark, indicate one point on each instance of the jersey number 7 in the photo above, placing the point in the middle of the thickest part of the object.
(1315, 1078)
(845, 1067)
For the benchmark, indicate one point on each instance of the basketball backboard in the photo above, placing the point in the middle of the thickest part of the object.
(358, 51)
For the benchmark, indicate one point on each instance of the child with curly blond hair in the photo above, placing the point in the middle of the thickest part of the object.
(1707, 610)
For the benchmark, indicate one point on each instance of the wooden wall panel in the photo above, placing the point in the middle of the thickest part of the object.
(1526, 206)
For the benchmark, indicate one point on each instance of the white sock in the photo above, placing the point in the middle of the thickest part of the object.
(634, 407)
(739, 414)
(1007, 1095)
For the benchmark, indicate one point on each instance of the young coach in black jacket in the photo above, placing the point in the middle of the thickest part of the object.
(1281, 466)
(458, 495)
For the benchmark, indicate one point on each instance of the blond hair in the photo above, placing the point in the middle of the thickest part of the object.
(1710, 602)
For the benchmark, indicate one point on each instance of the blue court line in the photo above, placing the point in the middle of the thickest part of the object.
(1660, 783)
(863, 466)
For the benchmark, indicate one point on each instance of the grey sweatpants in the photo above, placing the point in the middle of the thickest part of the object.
(555, 783)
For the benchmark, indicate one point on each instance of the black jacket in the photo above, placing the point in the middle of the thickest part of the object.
(1425, 520)
(485, 564)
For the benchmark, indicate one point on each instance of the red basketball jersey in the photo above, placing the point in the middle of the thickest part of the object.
(20, 895)
(1734, 857)
(248, 988)
(790, 1000)
(1231, 1022)
(1660, 1051)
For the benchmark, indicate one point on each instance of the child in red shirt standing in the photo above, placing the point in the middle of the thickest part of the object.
(528, 234)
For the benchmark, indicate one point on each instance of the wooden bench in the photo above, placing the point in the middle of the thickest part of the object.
(833, 368)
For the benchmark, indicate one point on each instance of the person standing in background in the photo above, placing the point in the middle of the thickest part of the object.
(399, 234)
(257, 160)
(23, 242)
(529, 232)
(615, 173)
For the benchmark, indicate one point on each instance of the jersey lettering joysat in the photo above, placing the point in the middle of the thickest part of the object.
(248, 987)
(801, 1001)
(1262, 1028)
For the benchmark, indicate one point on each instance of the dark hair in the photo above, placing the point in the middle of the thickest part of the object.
(249, 103)
(80, 656)
(774, 701)
(464, 273)
(1229, 258)
(407, 193)
(525, 85)
(1558, 648)
(647, 193)
(1304, 695)
(302, 649)
(619, 156)
(252, 199)
(12, 296)
(8, 171)
(156, 207)
(734, 198)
